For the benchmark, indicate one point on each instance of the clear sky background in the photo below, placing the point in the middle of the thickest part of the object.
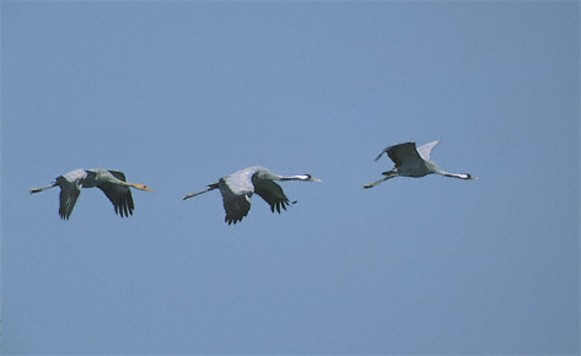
(178, 94)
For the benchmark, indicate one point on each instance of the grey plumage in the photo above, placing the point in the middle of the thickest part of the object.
(237, 190)
(413, 162)
(112, 183)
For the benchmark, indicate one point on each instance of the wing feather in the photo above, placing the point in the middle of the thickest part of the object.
(67, 197)
(119, 195)
(426, 150)
(271, 192)
(403, 153)
(236, 204)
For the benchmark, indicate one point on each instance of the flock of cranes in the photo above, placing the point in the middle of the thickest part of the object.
(237, 188)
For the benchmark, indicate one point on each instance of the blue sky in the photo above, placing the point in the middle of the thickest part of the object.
(178, 94)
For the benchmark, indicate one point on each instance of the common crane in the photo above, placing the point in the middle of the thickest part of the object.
(412, 162)
(112, 183)
(237, 190)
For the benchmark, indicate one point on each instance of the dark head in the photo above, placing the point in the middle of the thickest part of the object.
(310, 178)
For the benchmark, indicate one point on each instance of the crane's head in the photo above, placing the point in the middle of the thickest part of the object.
(310, 178)
(142, 187)
(466, 176)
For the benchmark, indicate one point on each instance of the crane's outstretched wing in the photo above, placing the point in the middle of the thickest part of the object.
(67, 197)
(236, 204)
(400, 152)
(271, 192)
(403, 153)
(119, 195)
(426, 150)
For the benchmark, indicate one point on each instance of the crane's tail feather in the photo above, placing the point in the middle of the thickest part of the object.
(373, 184)
(195, 194)
(379, 155)
(40, 189)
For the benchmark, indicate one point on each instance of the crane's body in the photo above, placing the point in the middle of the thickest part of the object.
(413, 162)
(237, 190)
(112, 183)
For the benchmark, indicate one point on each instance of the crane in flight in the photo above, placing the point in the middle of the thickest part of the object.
(112, 183)
(237, 190)
(413, 162)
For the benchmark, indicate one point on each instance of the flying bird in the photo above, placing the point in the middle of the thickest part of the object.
(237, 190)
(412, 162)
(112, 183)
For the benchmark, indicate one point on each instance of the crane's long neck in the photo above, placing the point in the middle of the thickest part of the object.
(139, 186)
(295, 177)
(115, 180)
(464, 176)
(386, 176)
(131, 185)
(301, 177)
